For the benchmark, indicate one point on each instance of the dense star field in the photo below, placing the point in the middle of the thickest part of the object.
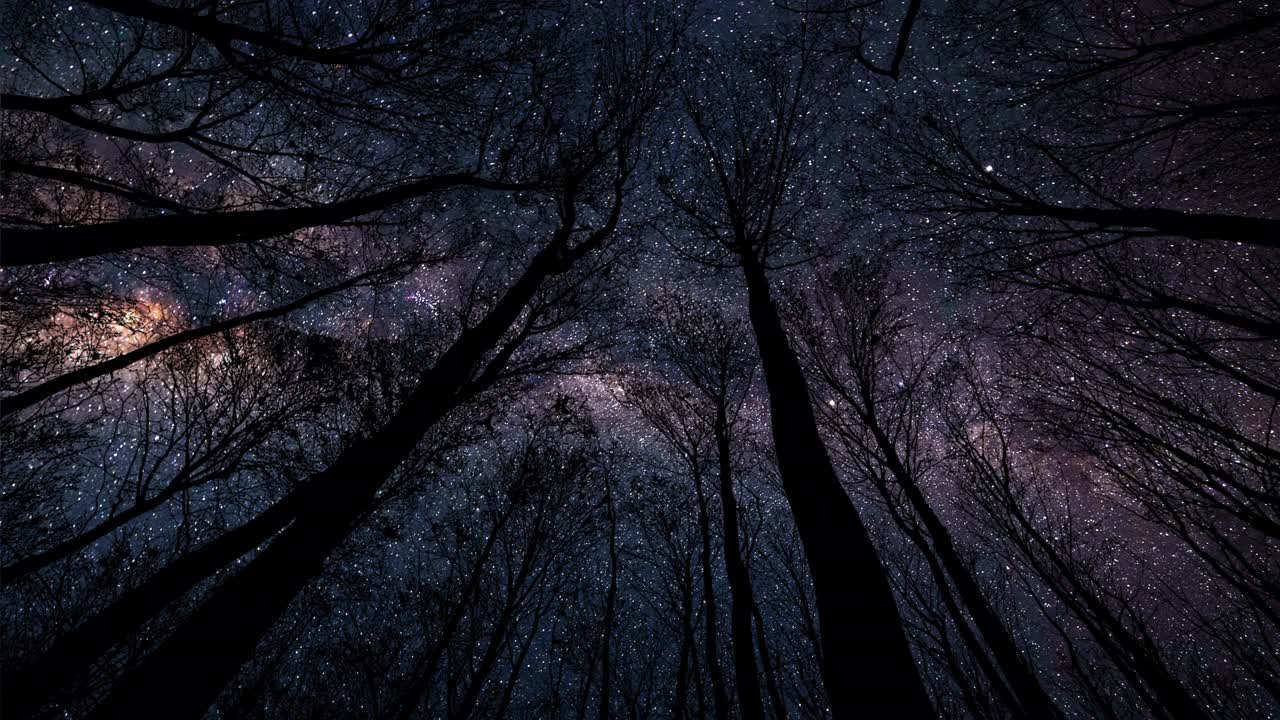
(594, 359)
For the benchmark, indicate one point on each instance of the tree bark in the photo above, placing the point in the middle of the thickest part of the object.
(31, 687)
(425, 671)
(1032, 698)
(19, 569)
(610, 611)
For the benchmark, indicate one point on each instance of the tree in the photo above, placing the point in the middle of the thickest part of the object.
(710, 356)
(745, 197)
(854, 338)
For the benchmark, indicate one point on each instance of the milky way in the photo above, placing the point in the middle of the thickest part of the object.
(396, 359)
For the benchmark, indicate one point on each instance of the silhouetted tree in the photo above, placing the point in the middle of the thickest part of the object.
(746, 197)
(854, 338)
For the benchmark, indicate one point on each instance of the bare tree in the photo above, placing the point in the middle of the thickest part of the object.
(711, 356)
(855, 340)
(745, 197)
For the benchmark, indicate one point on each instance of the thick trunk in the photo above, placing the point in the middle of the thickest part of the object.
(208, 649)
(867, 665)
(750, 705)
(72, 655)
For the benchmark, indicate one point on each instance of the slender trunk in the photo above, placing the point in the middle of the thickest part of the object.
(425, 671)
(1031, 696)
(71, 656)
(968, 694)
(1130, 650)
(750, 705)
(208, 649)
(867, 665)
(979, 653)
(699, 683)
(681, 709)
(508, 692)
(498, 637)
(610, 610)
(766, 661)
(1133, 655)
(20, 569)
(719, 694)
(584, 696)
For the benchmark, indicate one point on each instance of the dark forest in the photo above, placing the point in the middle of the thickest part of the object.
(640, 360)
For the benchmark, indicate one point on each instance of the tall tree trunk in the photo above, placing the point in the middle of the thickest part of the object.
(425, 670)
(750, 705)
(1130, 649)
(681, 708)
(20, 569)
(720, 696)
(977, 650)
(867, 665)
(72, 655)
(208, 649)
(29, 246)
(34, 685)
(610, 610)
(766, 661)
(1032, 698)
(509, 690)
(498, 635)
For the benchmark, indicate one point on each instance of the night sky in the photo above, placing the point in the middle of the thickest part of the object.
(402, 358)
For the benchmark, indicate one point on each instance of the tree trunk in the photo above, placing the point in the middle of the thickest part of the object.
(71, 656)
(1032, 698)
(681, 708)
(610, 610)
(720, 696)
(867, 665)
(770, 674)
(208, 649)
(20, 569)
(425, 670)
(498, 636)
(29, 246)
(750, 705)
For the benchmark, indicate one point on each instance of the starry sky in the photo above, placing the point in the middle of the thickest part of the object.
(1025, 253)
